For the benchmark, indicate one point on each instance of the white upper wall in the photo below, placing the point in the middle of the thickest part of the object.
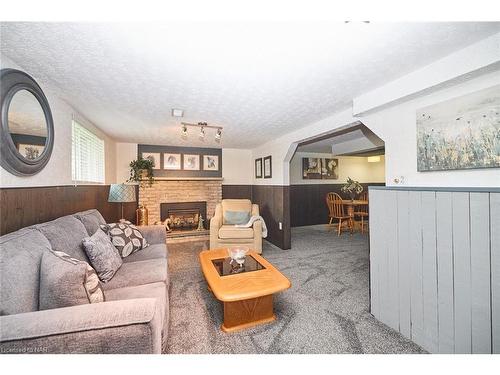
(237, 165)
(355, 167)
(58, 169)
(396, 125)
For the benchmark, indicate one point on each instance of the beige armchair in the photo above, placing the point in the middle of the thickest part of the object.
(224, 235)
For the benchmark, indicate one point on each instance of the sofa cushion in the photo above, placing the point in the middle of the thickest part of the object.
(103, 256)
(236, 217)
(20, 256)
(66, 234)
(126, 237)
(91, 219)
(235, 205)
(232, 232)
(66, 281)
(157, 251)
(139, 273)
(154, 290)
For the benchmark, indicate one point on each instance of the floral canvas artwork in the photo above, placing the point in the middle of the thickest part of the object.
(461, 133)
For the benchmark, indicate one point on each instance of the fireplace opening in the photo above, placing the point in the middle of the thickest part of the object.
(184, 216)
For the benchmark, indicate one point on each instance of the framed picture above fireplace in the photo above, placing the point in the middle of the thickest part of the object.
(171, 161)
(184, 162)
(191, 162)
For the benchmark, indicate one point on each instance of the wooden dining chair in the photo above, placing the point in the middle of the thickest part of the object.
(336, 210)
(362, 211)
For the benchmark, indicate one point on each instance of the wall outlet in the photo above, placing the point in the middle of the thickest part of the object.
(280, 225)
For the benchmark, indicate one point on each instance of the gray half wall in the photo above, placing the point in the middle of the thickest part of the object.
(435, 266)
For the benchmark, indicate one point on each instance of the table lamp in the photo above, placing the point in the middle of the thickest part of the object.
(121, 193)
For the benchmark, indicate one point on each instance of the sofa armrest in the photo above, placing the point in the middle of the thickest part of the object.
(126, 326)
(154, 234)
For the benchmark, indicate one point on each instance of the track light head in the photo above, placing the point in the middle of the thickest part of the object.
(184, 131)
(218, 135)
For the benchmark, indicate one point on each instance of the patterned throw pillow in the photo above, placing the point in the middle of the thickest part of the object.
(126, 237)
(66, 281)
(103, 256)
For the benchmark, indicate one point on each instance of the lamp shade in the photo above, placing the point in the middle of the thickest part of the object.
(121, 193)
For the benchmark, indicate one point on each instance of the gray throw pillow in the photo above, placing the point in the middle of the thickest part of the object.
(66, 281)
(126, 237)
(236, 217)
(103, 256)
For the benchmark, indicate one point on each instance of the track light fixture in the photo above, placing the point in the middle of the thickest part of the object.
(184, 131)
(202, 126)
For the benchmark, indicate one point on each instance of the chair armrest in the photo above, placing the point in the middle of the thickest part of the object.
(257, 228)
(126, 326)
(154, 234)
(255, 210)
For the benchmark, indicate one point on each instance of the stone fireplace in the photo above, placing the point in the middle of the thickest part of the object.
(182, 193)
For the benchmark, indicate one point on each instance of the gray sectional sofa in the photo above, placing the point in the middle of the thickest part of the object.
(133, 319)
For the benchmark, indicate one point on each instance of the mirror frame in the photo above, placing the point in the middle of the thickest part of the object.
(12, 81)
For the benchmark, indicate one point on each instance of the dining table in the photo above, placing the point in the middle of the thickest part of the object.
(351, 204)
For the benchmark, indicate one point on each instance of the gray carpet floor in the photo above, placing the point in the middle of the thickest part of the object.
(325, 310)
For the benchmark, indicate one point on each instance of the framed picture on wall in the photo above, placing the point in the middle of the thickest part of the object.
(329, 169)
(154, 157)
(210, 162)
(268, 167)
(258, 168)
(191, 162)
(311, 168)
(172, 161)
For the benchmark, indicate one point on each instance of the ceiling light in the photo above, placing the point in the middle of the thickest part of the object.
(218, 135)
(373, 159)
(177, 112)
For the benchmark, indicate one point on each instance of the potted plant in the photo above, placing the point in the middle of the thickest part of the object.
(141, 170)
(352, 188)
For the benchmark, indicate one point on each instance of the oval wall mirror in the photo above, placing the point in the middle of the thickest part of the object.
(27, 129)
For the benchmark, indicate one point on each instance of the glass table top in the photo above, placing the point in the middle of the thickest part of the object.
(225, 268)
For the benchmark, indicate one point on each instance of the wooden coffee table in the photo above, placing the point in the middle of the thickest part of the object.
(248, 295)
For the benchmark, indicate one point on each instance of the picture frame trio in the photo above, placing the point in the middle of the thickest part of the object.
(183, 162)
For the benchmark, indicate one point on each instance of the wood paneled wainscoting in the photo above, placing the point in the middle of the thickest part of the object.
(21, 207)
(435, 266)
(308, 202)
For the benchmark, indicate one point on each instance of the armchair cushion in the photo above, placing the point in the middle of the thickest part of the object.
(236, 217)
(232, 232)
(240, 205)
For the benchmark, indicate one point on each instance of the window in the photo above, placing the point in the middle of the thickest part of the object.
(87, 155)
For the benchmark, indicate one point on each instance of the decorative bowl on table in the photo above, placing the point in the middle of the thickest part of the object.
(238, 254)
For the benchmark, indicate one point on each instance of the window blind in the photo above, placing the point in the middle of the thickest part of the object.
(87, 155)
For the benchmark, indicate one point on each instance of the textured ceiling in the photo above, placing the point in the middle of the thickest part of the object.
(258, 81)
